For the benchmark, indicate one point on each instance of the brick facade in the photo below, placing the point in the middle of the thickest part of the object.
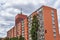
(47, 17)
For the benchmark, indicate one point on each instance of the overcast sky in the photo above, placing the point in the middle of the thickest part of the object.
(10, 8)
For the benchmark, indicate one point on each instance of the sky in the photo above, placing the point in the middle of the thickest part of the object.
(10, 8)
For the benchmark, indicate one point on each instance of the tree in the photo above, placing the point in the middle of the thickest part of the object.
(21, 38)
(0, 38)
(14, 38)
(34, 27)
(6, 38)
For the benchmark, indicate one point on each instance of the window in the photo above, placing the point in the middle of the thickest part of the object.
(52, 11)
(45, 31)
(54, 27)
(53, 22)
(29, 35)
(54, 30)
(43, 36)
(29, 26)
(53, 19)
(31, 18)
(54, 34)
(52, 15)
(30, 38)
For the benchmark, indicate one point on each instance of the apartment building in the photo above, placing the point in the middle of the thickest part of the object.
(48, 24)
(48, 29)
(22, 25)
(20, 28)
(9, 34)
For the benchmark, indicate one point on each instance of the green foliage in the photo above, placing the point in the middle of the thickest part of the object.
(34, 28)
(15, 38)
(21, 38)
(6, 38)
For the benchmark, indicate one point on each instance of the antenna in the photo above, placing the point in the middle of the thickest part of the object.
(21, 10)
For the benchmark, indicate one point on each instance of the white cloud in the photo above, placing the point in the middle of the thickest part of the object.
(3, 36)
(25, 2)
(3, 13)
(57, 3)
(2, 19)
(12, 2)
(7, 5)
(12, 10)
(58, 12)
(1, 29)
(2, 32)
(6, 22)
(21, 1)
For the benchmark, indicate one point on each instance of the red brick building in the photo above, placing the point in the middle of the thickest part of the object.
(20, 28)
(21, 22)
(47, 17)
(48, 29)
(59, 36)
(9, 34)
